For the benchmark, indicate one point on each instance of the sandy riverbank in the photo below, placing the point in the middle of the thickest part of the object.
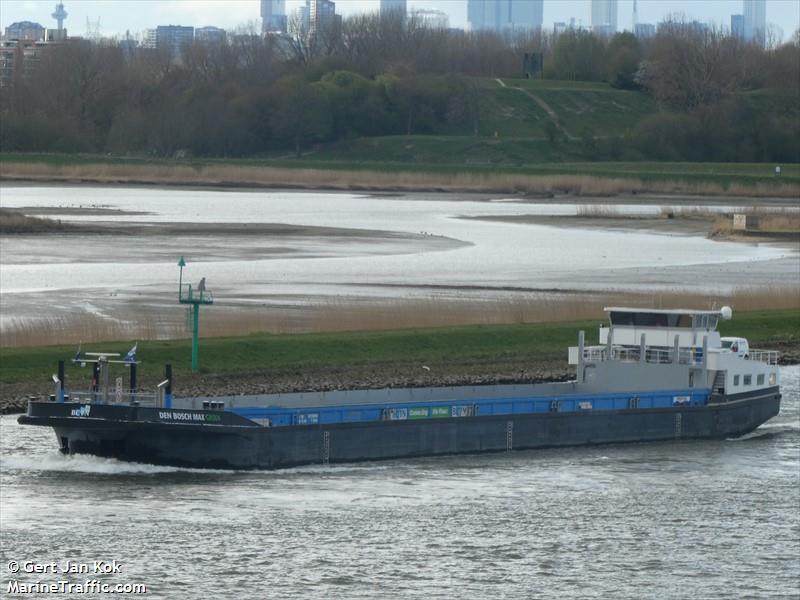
(692, 225)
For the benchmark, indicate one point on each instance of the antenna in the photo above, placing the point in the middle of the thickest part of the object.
(635, 15)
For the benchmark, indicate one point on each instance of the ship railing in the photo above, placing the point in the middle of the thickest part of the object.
(127, 397)
(194, 295)
(662, 356)
(769, 357)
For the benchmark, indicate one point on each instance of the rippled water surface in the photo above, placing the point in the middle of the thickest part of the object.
(704, 519)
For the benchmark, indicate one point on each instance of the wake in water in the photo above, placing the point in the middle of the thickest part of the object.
(83, 463)
(769, 430)
(96, 465)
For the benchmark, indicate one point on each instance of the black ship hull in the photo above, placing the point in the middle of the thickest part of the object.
(224, 440)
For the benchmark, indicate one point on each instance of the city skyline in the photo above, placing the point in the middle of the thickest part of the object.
(117, 16)
(498, 15)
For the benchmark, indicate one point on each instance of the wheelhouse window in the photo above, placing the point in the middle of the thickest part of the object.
(727, 344)
(650, 319)
(748, 379)
(760, 379)
(735, 380)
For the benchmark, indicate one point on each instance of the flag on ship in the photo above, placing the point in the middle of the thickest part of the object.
(130, 357)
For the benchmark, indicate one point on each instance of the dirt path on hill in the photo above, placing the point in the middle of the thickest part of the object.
(544, 106)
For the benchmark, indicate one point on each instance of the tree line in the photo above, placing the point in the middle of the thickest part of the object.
(719, 98)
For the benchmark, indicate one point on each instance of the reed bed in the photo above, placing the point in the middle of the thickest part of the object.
(359, 315)
(605, 211)
(236, 175)
(15, 222)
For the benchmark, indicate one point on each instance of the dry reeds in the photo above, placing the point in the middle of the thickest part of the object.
(770, 220)
(240, 175)
(599, 211)
(14, 222)
(365, 315)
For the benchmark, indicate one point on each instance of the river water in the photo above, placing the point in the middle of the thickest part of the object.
(701, 519)
(355, 246)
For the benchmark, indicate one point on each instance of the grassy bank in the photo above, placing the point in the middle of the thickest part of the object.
(407, 163)
(436, 348)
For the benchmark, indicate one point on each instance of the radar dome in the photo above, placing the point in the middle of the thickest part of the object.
(726, 313)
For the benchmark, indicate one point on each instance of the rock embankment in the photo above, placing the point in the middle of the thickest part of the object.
(14, 397)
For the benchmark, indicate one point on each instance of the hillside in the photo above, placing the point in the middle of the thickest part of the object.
(536, 121)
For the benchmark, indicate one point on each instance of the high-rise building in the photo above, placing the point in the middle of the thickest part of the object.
(149, 39)
(174, 38)
(526, 14)
(209, 35)
(755, 21)
(499, 15)
(644, 30)
(273, 16)
(604, 17)
(18, 59)
(321, 15)
(641, 30)
(388, 7)
(737, 26)
(300, 21)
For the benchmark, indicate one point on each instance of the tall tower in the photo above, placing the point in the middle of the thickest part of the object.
(525, 14)
(635, 15)
(755, 21)
(321, 14)
(273, 15)
(604, 17)
(59, 15)
(498, 15)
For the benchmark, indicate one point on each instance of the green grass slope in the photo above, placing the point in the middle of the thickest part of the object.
(596, 109)
(264, 353)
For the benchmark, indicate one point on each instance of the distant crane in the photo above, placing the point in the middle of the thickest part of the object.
(59, 15)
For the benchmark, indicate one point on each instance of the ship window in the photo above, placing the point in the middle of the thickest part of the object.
(772, 378)
(760, 379)
(650, 319)
(621, 318)
(735, 380)
(727, 343)
(748, 379)
(679, 321)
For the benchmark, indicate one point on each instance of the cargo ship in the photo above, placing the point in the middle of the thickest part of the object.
(654, 375)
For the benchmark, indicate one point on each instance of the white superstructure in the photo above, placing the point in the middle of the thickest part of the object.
(681, 338)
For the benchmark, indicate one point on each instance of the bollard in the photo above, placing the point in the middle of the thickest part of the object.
(61, 381)
(133, 380)
(168, 390)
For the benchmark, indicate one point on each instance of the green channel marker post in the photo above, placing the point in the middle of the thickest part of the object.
(194, 296)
